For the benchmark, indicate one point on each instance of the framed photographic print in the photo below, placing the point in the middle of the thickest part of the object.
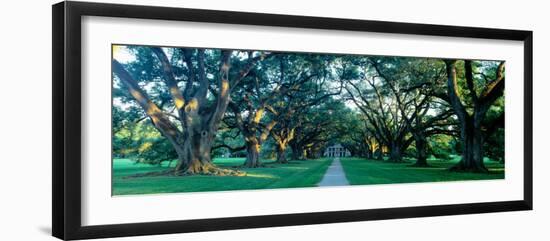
(169, 120)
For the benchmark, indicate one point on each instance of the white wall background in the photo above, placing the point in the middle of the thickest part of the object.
(25, 120)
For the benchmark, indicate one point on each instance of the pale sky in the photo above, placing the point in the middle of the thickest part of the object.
(122, 54)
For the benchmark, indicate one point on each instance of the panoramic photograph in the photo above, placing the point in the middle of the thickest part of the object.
(188, 119)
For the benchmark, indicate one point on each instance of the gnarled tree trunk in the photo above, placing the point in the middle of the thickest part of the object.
(395, 152)
(380, 154)
(298, 152)
(281, 153)
(369, 153)
(282, 138)
(253, 148)
(193, 142)
(470, 124)
(421, 154)
(472, 144)
(254, 134)
(194, 153)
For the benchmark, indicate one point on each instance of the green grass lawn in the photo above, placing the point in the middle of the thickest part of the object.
(361, 171)
(295, 174)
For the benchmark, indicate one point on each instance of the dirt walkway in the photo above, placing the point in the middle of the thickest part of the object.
(334, 176)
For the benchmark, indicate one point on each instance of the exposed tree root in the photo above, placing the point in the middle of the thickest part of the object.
(211, 170)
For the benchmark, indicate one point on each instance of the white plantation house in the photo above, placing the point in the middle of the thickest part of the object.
(336, 150)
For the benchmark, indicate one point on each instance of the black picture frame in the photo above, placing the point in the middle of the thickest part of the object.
(66, 47)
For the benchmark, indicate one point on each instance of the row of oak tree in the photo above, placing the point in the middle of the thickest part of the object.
(202, 100)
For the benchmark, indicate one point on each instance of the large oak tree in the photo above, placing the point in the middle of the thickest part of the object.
(484, 84)
(200, 94)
